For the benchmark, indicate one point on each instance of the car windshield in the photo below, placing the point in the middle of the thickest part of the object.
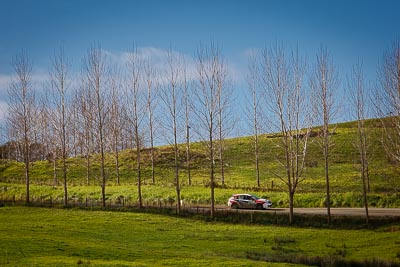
(255, 197)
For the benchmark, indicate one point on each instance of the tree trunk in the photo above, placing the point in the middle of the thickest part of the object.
(27, 180)
(138, 166)
(87, 169)
(212, 172)
(326, 158)
(364, 167)
(328, 198)
(221, 161)
(116, 152)
(257, 160)
(365, 192)
(188, 154)
(177, 183)
(256, 154)
(102, 166)
(291, 211)
(153, 172)
(65, 181)
(55, 180)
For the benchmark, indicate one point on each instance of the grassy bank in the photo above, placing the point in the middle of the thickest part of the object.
(345, 182)
(191, 195)
(57, 237)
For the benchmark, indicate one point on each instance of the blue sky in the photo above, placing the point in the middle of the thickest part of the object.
(352, 30)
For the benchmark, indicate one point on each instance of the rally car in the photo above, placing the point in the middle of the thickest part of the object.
(248, 201)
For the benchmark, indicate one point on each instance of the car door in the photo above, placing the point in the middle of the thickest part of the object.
(247, 202)
(252, 202)
(241, 201)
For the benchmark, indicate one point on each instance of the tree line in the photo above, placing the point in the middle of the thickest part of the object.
(107, 108)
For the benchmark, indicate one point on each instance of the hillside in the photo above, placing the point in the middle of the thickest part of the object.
(239, 169)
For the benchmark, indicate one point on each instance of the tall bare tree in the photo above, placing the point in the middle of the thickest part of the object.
(115, 122)
(286, 99)
(252, 79)
(205, 104)
(136, 111)
(171, 96)
(44, 137)
(22, 111)
(225, 124)
(76, 146)
(84, 124)
(359, 101)
(187, 104)
(49, 136)
(151, 84)
(96, 78)
(325, 85)
(59, 110)
(387, 106)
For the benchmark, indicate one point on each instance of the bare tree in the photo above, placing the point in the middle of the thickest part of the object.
(187, 104)
(49, 136)
(171, 96)
(59, 111)
(151, 83)
(136, 111)
(324, 85)
(96, 78)
(225, 125)
(282, 80)
(359, 101)
(115, 123)
(387, 106)
(44, 137)
(84, 124)
(252, 79)
(205, 104)
(21, 112)
(76, 146)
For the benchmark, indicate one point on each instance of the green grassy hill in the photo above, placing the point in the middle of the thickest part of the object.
(239, 168)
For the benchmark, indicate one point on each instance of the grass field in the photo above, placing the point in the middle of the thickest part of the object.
(69, 237)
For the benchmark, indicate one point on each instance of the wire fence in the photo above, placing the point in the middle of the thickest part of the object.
(95, 203)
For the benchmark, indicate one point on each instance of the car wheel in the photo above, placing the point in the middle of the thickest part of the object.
(259, 207)
(234, 206)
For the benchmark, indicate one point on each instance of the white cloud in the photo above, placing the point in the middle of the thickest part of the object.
(37, 80)
(3, 110)
(159, 59)
(5, 81)
(251, 52)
